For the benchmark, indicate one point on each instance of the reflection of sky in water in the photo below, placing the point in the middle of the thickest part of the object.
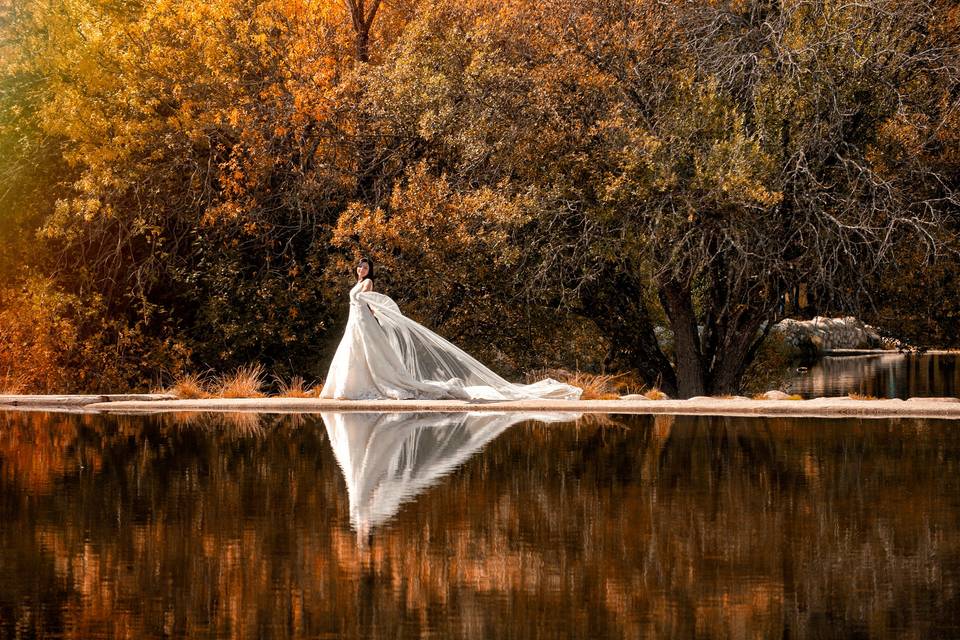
(884, 376)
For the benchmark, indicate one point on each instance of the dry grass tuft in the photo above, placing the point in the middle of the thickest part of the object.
(860, 396)
(246, 382)
(628, 382)
(595, 386)
(295, 388)
(190, 385)
(656, 394)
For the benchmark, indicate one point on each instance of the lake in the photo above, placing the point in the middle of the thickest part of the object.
(885, 375)
(358, 525)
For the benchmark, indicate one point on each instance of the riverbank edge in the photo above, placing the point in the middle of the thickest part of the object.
(948, 408)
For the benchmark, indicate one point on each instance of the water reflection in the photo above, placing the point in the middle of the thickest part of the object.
(885, 375)
(389, 458)
(615, 526)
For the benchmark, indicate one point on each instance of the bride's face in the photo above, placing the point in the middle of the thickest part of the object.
(362, 270)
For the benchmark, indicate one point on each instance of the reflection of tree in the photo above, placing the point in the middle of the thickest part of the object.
(148, 526)
(887, 375)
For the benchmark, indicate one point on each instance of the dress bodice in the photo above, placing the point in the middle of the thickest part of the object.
(353, 293)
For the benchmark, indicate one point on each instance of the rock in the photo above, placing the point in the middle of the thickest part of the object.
(812, 337)
(635, 396)
(933, 399)
(776, 395)
(79, 400)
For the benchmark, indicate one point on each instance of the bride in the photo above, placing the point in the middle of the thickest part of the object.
(384, 354)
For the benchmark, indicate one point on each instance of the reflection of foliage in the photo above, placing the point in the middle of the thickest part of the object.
(647, 526)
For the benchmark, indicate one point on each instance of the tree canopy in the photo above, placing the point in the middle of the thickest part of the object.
(544, 183)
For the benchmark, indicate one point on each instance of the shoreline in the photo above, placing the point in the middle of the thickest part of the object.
(839, 407)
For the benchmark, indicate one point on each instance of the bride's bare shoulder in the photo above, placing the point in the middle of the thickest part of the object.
(367, 285)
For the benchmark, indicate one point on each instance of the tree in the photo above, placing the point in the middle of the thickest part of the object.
(775, 154)
(209, 153)
(692, 160)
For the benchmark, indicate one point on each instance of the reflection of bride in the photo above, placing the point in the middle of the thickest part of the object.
(388, 458)
(384, 354)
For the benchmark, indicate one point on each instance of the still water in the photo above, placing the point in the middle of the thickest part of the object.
(477, 526)
(887, 375)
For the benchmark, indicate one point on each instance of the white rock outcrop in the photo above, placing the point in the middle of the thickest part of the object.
(826, 334)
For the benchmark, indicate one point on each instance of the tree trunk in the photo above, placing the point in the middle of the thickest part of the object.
(363, 45)
(690, 372)
(615, 305)
(737, 350)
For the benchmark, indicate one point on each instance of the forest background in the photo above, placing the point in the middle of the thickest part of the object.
(186, 185)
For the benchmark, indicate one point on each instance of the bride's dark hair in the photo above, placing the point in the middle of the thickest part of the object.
(369, 265)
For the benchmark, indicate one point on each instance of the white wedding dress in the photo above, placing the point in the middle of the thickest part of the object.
(384, 354)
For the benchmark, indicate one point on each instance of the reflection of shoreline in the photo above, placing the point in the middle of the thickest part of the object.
(388, 459)
(893, 375)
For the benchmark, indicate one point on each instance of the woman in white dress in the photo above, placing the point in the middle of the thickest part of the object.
(384, 354)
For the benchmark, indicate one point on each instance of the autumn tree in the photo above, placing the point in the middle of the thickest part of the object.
(787, 147)
(692, 161)
(200, 152)
(630, 184)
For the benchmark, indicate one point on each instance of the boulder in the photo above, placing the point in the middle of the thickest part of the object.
(813, 337)
(776, 395)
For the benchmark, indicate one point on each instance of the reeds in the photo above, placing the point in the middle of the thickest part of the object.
(13, 383)
(244, 382)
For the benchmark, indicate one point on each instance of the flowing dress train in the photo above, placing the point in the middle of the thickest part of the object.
(384, 354)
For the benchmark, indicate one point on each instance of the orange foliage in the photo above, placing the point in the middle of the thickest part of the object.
(34, 334)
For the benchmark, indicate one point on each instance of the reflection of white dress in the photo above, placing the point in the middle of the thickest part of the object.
(384, 354)
(387, 459)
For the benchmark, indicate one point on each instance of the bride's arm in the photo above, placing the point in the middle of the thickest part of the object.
(368, 286)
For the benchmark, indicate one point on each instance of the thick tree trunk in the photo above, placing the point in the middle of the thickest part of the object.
(616, 306)
(688, 359)
(737, 350)
(363, 45)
